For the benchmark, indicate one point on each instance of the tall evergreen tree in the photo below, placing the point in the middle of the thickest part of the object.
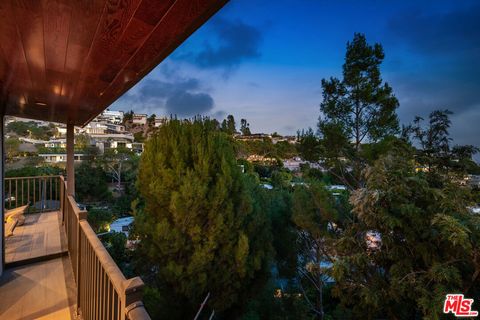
(357, 109)
(309, 145)
(228, 125)
(203, 228)
(245, 127)
(434, 145)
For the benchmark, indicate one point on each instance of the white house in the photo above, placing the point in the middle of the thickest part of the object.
(139, 118)
(110, 116)
(56, 143)
(96, 128)
(60, 157)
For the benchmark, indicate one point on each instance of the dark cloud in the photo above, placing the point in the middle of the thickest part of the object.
(450, 32)
(236, 42)
(440, 67)
(163, 89)
(182, 97)
(184, 103)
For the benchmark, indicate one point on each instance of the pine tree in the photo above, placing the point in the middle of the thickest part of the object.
(228, 125)
(309, 145)
(435, 152)
(203, 228)
(359, 108)
(245, 127)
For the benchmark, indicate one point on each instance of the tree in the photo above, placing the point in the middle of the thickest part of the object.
(285, 150)
(309, 145)
(410, 243)
(116, 161)
(316, 218)
(31, 130)
(228, 125)
(202, 228)
(434, 150)
(245, 127)
(151, 120)
(82, 141)
(127, 117)
(31, 171)
(359, 108)
(99, 219)
(11, 148)
(115, 243)
(281, 179)
(139, 137)
(123, 204)
(90, 183)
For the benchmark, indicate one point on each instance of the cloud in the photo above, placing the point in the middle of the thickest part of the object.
(444, 33)
(440, 64)
(153, 88)
(184, 103)
(219, 115)
(177, 96)
(235, 43)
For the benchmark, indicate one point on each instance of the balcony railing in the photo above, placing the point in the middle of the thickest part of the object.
(42, 193)
(103, 292)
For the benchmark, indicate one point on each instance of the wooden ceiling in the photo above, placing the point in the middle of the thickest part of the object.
(68, 60)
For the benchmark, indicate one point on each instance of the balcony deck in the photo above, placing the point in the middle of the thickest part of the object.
(41, 235)
(59, 270)
(43, 290)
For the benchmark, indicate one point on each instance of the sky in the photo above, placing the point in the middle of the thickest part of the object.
(264, 61)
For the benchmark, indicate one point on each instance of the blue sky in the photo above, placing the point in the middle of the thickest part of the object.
(264, 61)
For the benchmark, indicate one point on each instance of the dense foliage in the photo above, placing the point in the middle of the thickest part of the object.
(31, 129)
(31, 171)
(427, 243)
(91, 183)
(203, 228)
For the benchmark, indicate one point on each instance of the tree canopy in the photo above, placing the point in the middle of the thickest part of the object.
(202, 227)
(411, 242)
(357, 109)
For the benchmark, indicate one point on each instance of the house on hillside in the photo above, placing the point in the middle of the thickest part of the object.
(160, 122)
(109, 116)
(55, 158)
(139, 119)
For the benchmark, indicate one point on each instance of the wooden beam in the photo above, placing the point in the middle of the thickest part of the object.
(70, 160)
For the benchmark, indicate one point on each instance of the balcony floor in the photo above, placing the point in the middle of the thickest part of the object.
(43, 290)
(42, 234)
